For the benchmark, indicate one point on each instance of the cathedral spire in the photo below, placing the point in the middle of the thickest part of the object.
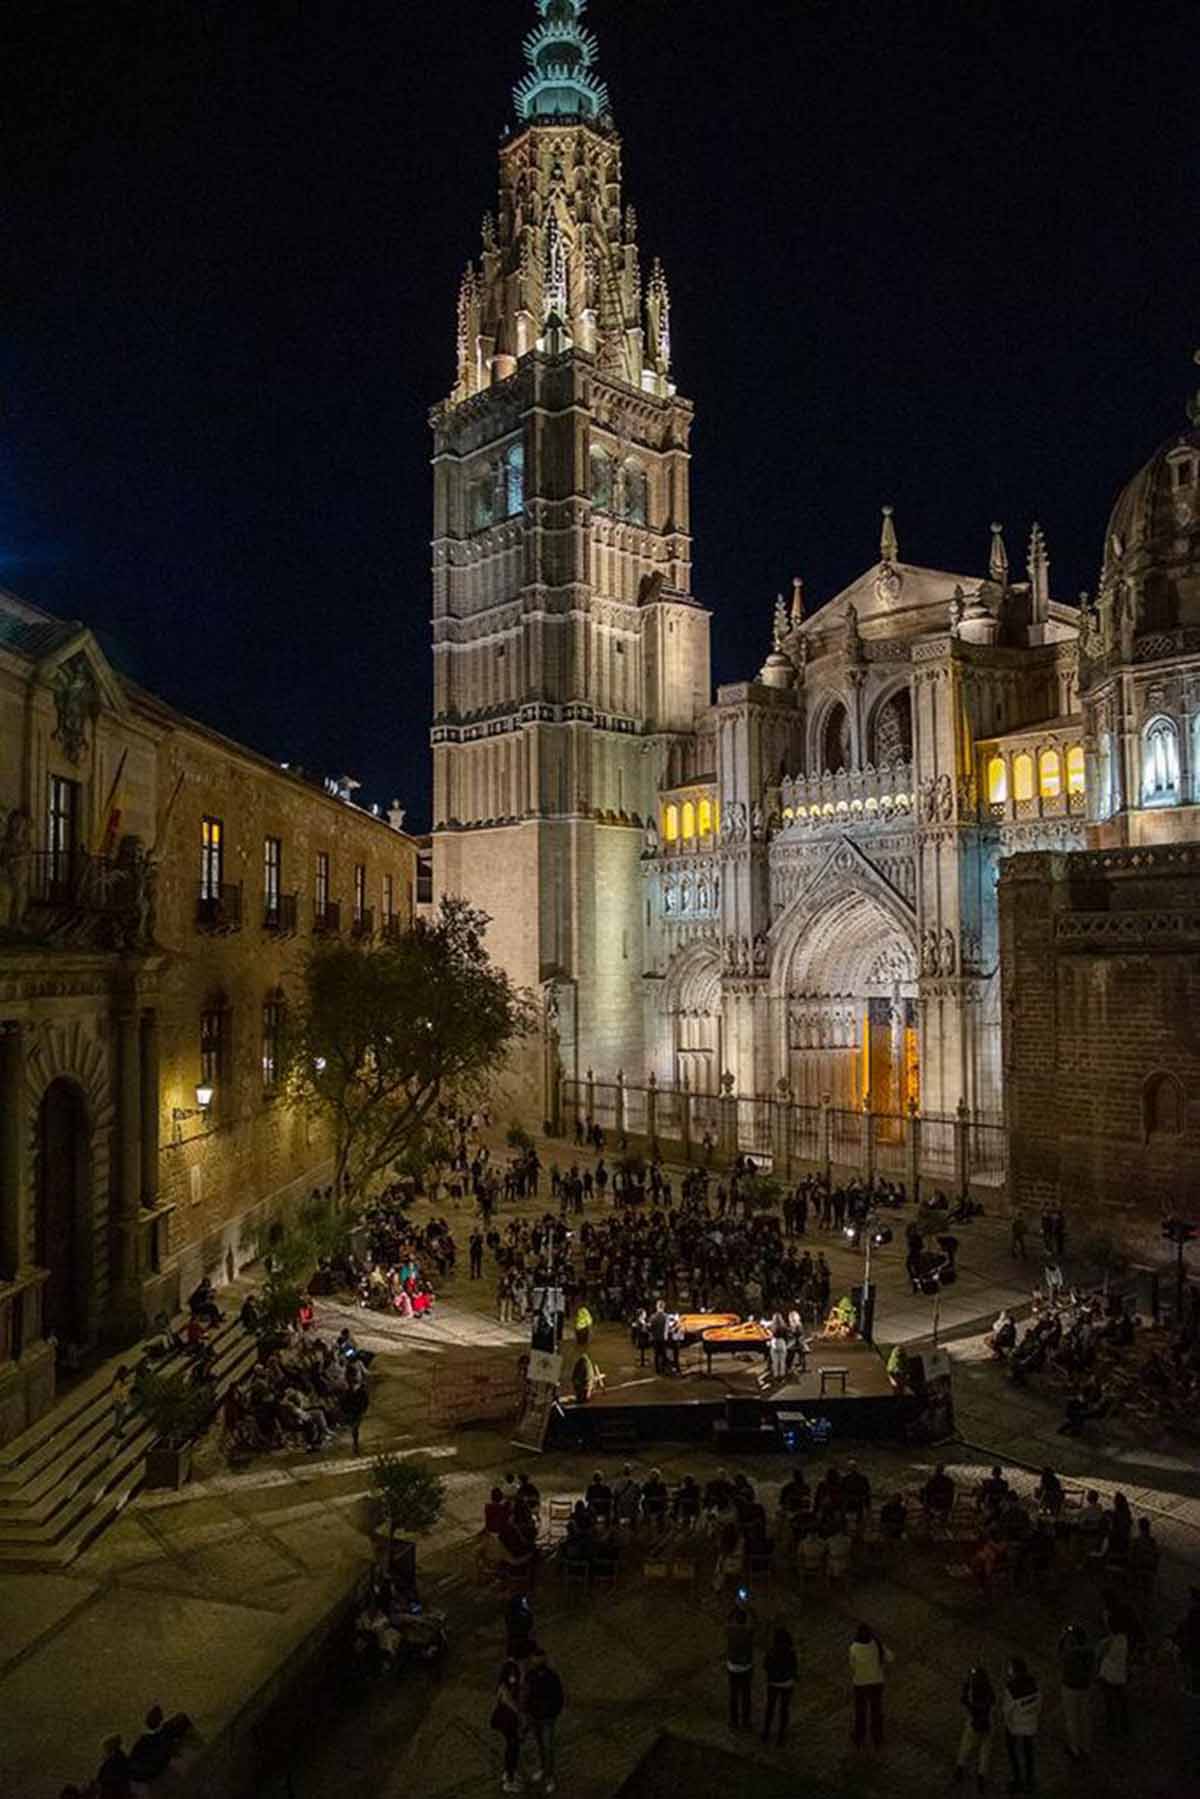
(889, 543)
(1039, 577)
(561, 55)
(998, 559)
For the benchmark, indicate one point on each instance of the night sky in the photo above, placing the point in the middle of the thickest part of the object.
(942, 255)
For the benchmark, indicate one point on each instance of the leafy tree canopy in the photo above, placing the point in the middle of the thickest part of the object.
(385, 1031)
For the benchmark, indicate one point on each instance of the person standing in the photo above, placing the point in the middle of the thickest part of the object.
(779, 1666)
(583, 1327)
(739, 1665)
(355, 1401)
(1077, 1667)
(506, 1718)
(658, 1337)
(868, 1658)
(1017, 1235)
(544, 1699)
(979, 1704)
(121, 1394)
(1021, 1704)
(475, 1253)
(1112, 1673)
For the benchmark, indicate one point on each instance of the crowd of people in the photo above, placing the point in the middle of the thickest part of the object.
(1097, 1653)
(1090, 1344)
(301, 1395)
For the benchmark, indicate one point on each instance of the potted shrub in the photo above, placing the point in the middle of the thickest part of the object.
(411, 1496)
(177, 1413)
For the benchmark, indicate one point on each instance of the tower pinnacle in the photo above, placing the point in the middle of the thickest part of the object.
(561, 56)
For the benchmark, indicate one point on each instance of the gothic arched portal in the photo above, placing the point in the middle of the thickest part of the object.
(845, 977)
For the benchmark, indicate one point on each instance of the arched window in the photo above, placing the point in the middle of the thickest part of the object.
(514, 480)
(1160, 763)
(835, 740)
(689, 821)
(1076, 779)
(483, 501)
(997, 780)
(1023, 777)
(1162, 1106)
(671, 824)
(893, 731)
(601, 478)
(1049, 775)
(636, 491)
(705, 818)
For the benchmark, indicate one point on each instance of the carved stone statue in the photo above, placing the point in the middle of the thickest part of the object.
(760, 955)
(739, 821)
(853, 640)
(757, 823)
(947, 961)
(74, 703)
(945, 797)
(650, 838)
(744, 956)
(929, 798)
(929, 953)
(14, 869)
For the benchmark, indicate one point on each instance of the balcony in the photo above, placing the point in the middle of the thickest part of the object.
(364, 923)
(280, 914)
(76, 881)
(219, 907)
(327, 919)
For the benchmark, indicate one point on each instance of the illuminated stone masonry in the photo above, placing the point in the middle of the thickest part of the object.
(787, 894)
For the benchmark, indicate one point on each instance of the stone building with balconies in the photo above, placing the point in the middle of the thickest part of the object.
(158, 884)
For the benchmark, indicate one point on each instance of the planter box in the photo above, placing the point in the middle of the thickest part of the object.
(168, 1468)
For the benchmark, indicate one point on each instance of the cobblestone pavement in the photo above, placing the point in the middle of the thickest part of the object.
(193, 1598)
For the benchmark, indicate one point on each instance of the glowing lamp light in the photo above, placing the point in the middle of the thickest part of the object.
(319, 1064)
(204, 1096)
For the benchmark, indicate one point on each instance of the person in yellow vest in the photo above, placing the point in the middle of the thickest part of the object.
(583, 1327)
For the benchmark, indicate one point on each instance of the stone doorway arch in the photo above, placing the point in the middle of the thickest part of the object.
(63, 1238)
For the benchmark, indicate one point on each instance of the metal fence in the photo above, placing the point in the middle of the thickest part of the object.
(932, 1149)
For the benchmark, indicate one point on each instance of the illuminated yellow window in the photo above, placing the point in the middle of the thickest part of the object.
(1075, 777)
(671, 824)
(689, 821)
(1049, 774)
(997, 780)
(1023, 777)
(706, 818)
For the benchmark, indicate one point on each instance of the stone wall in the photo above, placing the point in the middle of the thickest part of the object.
(1100, 959)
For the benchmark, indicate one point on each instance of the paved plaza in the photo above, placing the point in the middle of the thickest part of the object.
(194, 1599)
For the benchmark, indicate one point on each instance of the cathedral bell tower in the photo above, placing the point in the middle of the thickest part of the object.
(568, 650)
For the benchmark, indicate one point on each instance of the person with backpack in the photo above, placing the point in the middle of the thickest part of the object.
(1021, 1704)
(544, 1701)
(1077, 1667)
(979, 1703)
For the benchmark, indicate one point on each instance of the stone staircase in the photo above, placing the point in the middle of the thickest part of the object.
(66, 1478)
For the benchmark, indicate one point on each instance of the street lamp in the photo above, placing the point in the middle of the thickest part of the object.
(201, 1109)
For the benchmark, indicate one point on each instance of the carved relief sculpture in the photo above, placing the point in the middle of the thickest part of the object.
(14, 869)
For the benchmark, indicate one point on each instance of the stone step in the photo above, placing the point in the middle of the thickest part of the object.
(79, 1430)
(53, 1530)
(91, 1453)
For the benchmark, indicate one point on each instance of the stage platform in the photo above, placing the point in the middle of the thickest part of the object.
(639, 1406)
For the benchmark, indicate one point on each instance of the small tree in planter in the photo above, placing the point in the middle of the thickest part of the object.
(518, 1138)
(177, 1413)
(411, 1493)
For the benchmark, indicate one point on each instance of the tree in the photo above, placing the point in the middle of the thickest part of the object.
(411, 1492)
(385, 1031)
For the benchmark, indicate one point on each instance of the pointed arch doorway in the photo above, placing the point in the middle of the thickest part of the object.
(64, 1182)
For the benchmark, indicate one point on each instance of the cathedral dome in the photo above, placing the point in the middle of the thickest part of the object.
(1153, 537)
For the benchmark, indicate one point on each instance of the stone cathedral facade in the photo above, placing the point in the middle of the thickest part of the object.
(789, 892)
